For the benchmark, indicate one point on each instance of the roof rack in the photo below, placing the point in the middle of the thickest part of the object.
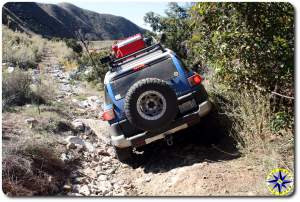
(115, 63)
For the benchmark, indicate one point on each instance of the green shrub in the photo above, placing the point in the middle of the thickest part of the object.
(246, 43)
(74, 45)
(99, 70)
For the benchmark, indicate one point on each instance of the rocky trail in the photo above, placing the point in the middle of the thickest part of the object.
(187, 168)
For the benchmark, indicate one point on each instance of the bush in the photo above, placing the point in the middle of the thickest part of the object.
(74, 45)
(246, 43)
(18, 89)
(44, 91)
(61, 50)
(99, 70)
(15, 88)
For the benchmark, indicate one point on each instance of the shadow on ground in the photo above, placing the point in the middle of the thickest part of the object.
(209, 141)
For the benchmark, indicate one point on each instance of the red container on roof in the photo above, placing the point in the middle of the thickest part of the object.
(128, 46)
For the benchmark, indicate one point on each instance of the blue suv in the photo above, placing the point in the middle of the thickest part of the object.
(149, 95)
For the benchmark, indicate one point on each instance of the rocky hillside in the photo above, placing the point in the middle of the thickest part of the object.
(64, 20)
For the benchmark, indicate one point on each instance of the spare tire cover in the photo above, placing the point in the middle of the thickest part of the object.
(150, 104)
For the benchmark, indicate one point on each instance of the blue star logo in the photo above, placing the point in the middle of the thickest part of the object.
(280, 182)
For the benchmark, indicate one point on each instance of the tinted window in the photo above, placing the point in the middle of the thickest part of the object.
(164, 70)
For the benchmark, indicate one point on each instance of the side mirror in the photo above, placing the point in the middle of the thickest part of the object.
(106, 59)
(163, 38)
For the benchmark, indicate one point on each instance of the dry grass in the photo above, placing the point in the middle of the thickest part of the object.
(18, 89)
(61, 50)
(21, 49)
(70, 65)
(101, 44)
(45, 90)
(26, 51)
(33, 168)
(15, 88)
(31, 155)
(251, 121)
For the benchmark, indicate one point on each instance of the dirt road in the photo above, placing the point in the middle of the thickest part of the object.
(189, 167)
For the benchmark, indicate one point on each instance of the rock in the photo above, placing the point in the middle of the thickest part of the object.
(74, 194)
(76, 188)
(84, 190)
(102, 177)
(66, 157)
(105, 187)
(67, 187)
(80, 148)
(148, 179)
(93, 98)
(111, 151)
(77, 125)
(89, 147)
(84, 104)
(10, 69)
(74, 174)
(75, 139)
(90, 172)
(74, 100)
(32, 121)
(86, 72)
(78, 180)
(106, 159)
(71, 145)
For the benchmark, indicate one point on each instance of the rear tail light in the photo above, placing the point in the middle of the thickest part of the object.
(194, 80)
(108, 115)
(139, 67)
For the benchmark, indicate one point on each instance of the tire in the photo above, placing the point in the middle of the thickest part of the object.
(137, 106)
(123, 154)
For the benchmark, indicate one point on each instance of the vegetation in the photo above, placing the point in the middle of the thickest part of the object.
(97, 73)
(246, 52)
(15, 88)
(74, 45)
(21, 50)
(24, 51)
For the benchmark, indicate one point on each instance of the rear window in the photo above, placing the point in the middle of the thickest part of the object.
(164, 70)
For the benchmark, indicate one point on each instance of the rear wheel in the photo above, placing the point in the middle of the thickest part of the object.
(123, 154)
(150, 104)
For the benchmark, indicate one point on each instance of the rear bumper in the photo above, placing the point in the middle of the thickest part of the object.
(149, 136)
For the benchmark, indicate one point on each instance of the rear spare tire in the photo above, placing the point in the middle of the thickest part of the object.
(150, 104)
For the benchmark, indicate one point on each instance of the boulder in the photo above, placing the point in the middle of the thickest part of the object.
(32, 122)
(75, 140)
(10, 69)
(78, 125)
(89, 147)
(84, 190)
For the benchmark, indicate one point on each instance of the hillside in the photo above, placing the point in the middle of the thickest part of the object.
(64, 19)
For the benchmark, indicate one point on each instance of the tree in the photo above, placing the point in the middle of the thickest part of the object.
(248, 43)
(174, 25)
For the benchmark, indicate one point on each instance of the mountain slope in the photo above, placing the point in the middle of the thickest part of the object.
(64, 20)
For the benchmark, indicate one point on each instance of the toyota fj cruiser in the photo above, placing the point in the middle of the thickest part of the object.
(149, 95)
